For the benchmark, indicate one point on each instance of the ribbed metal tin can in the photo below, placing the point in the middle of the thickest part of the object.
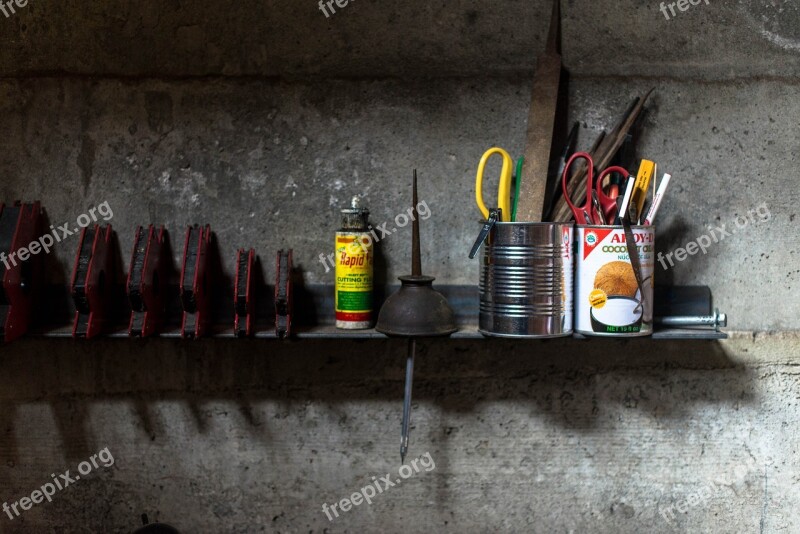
(526, 280)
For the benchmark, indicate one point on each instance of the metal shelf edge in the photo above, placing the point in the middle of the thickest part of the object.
(332, 333)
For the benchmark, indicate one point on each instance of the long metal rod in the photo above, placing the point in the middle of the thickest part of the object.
(412, 349)
(416, 257)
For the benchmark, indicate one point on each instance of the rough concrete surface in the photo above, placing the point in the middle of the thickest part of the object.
(263, 119)
(712, 40)
(228, 436)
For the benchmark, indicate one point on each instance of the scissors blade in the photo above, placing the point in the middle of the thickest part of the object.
(598, 210)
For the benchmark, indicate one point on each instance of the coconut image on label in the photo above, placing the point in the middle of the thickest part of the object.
(608, 300)
(616, 301)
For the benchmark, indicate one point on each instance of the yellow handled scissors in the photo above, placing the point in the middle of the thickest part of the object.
(503, 190)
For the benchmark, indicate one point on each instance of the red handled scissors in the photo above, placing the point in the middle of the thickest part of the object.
(590, 213)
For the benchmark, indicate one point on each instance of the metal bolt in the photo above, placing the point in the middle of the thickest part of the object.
(717, 320)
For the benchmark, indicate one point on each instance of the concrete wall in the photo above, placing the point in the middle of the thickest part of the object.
(371, 39)
(263, 119)
(219, 436)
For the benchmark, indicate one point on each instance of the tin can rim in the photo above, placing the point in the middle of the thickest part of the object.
(615, 226)
(542, 224)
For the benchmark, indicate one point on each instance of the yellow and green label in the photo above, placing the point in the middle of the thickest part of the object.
(354, 271)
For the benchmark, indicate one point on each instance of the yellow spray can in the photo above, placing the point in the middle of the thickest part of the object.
(354, 269)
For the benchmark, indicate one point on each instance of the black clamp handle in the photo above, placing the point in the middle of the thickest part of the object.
(494, 217)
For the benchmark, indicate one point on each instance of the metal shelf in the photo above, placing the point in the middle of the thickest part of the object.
(314, 316)
(331, 332)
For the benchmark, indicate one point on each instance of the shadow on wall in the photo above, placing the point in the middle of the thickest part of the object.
(567, 381)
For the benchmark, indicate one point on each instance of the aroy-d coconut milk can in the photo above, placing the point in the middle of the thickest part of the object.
(608, 298)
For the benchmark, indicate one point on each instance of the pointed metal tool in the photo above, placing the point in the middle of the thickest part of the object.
(415, 310)
(412, 349)
(541, 122)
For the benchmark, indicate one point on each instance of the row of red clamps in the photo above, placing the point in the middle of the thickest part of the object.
(93, 277)
(147, 284)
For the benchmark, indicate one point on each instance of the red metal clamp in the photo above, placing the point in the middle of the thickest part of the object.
(20, 227)
(92, 281)
(195, 286)
(283, 294)
(244, 297)
(147, 282)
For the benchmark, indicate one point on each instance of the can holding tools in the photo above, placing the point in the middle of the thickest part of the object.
(526, 280)
(354, 269)
(611, 297)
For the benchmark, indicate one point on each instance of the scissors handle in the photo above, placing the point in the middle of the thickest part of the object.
(608, 204)
(583, 214)
(503, 189)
